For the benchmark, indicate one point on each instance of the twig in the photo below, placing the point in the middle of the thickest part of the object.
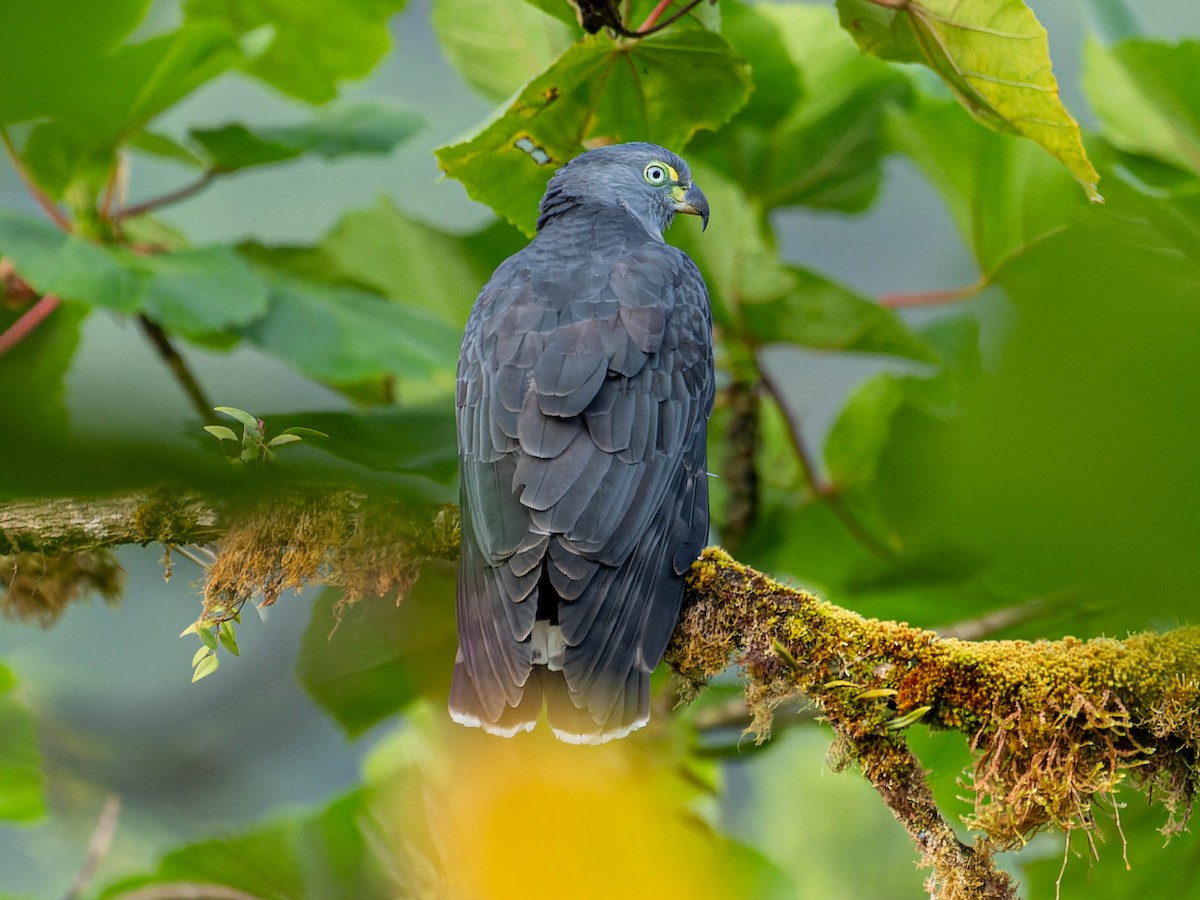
(48, 206)
(823, 489)
(186, 890)
(989, 623)
(30, 319)
(98, 846)
(140, 209)
(649, 27)
(179, 369)
(932, 298)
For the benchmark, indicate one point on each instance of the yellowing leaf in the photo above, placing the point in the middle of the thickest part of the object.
(994, 56)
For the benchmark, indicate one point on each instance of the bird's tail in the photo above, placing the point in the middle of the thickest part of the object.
(567, 713)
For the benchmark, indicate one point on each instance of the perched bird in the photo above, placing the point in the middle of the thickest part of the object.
(585, 384)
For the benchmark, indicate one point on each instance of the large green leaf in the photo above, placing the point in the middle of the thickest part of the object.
(417, 440)
(386, 250)
(343, 336)
(92, 105)
(322, 854)
(1004, 194)
(50, 49)
(817, 312)
(599, 90)
(311, 45)
(190, 291)
(365, 127)
(812, 132)
(198, 291)
(381, 657)
(1147, 98)
(56, 263)
(497, 47)
(993, 55)
(22, 797)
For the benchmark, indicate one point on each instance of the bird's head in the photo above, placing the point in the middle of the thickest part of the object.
(650, 181)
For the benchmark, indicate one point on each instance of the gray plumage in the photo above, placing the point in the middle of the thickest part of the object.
(585, 384)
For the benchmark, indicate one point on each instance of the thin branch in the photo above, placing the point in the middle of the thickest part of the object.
(931, 298)
(989, 623)
(48, 206)
(29, 320)
(98, 846)
(821, 488)
(649, 27)
(154, 203)
(186, 890)
(179, 368)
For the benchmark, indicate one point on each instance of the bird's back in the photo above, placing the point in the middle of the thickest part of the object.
(584, 386)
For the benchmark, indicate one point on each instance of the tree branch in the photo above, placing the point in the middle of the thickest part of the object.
(1056, 727)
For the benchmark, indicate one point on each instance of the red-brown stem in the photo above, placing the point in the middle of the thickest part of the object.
(655, 14)
(154, 203)
(931, 298)
(652, 24)
(48, 206)
(29, 320)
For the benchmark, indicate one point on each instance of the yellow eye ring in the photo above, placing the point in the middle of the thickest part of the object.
(658, 173)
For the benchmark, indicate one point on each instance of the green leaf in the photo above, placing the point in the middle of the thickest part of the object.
(57, 157)
(344, 336)
(201, 290)
(812, 133)
(310, 45)
(816, 312)
(206, 667)
(1023, 198)
(497, 47)
(200, 653)
(51, 49)
(221, 433)
(1147, 99)
(228, 637)
(303, 432)
(599, 90)
(164, 147)
(22, 785)
(381, 657)
(207, 638)
(414, 440)
(365, 127)
(994, 57)
(333, 852)
(71, 268)
(247, 419)
(861, 430)
(383, 249)
(281, 439)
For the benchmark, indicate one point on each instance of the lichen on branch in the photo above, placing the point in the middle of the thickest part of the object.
(1055, 725)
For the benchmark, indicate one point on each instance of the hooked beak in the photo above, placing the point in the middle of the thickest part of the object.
(692, 202)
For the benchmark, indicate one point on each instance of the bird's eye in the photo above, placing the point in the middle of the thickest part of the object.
(655, 173)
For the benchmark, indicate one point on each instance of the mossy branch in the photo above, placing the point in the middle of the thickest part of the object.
(1054, 725)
